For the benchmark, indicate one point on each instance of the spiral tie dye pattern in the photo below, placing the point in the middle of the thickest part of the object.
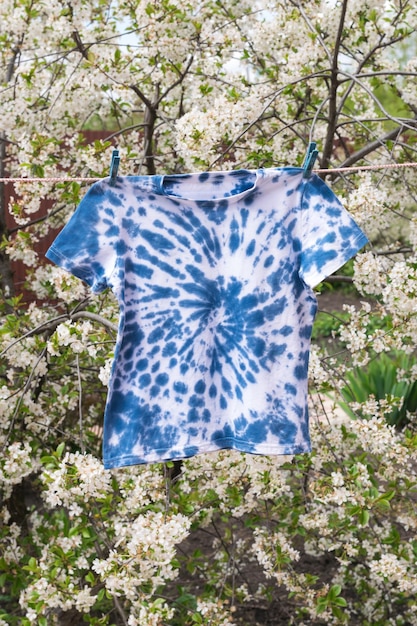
(213, 274)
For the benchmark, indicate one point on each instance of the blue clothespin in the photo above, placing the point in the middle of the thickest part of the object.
(310, 159)
(114, 166)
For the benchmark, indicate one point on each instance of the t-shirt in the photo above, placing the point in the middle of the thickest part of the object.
(213, 273)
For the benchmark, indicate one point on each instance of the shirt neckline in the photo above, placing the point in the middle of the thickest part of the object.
(197, 179)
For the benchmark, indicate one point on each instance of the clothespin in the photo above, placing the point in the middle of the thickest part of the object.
(310, 159)
(114, 166)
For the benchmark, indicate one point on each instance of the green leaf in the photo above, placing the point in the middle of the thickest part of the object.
(335, 591)
(101, 594)
(60, 450)
(32, 565)
(363, 517)
(384, 503)
(321, 605)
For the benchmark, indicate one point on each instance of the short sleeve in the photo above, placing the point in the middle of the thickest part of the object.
(83, 247)
(330, 236)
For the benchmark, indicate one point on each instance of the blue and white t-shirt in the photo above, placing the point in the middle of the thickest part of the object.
(213, 273)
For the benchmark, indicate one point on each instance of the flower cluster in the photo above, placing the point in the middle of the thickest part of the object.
(143, 553)
(77, 479)
(370, 273)
(53, 281)
(206, 132)
(18, 462)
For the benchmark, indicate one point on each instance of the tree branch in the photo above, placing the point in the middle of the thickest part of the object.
(180, 79)
(370, 147)
(51, 325)
(79, 44)
(95, 318)
(142, 96)
(334, 85)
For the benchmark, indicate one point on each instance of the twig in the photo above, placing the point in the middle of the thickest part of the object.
(80, 403)
(52, 325)
(22, 395)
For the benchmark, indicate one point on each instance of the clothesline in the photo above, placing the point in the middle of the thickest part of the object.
(336, 170)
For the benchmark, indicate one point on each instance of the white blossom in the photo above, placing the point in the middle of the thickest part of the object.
(104, 372)
(79, 476)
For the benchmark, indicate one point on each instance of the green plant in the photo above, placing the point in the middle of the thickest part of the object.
(380, 380)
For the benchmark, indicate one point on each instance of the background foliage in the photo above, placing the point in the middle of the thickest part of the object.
(326, 538)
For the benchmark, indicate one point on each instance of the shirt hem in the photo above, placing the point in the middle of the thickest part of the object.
(161, 456)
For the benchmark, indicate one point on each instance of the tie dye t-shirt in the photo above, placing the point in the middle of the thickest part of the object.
(213, 273)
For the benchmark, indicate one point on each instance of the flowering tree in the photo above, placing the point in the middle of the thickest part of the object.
(332, 536)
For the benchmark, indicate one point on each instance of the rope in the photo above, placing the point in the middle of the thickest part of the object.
(48, 179)
(336, 170)
(387, 166)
